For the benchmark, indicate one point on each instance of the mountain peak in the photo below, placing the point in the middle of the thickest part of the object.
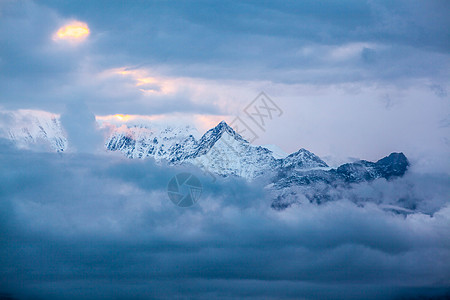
(209, 139)
(223, 126)
(222, 123)
(303, 159)
(220, 129)
(393, 165)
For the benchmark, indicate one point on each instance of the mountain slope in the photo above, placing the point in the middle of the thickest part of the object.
(34, 129)
(321, 185)
(220, 151)
(171, 143)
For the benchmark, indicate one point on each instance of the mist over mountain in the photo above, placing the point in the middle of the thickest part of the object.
(221, 151)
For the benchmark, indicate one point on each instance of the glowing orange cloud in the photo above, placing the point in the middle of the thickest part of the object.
(145, 80)
(201, 122)
(122, 117)
(148, 84)
(74, 31)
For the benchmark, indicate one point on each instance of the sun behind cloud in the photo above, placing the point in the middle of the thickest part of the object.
(122, 117)
(73, 31)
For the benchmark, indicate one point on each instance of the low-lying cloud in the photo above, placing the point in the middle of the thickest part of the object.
(82, 130)
(101, 226)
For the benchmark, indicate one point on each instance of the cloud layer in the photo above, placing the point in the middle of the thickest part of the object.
(101, 226)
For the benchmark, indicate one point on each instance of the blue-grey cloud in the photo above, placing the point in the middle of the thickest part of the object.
(82, 130)
(288, 42)
(100, 226)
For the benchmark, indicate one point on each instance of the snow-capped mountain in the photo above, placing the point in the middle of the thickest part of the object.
(33, 129)
(220, 151)
(224, 152)
(321, 185)
(169, 143)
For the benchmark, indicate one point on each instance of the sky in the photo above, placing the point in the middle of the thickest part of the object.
(354, 79)
(351, 79)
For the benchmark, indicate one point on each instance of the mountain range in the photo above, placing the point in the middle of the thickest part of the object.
(221, 151)
(224, 152)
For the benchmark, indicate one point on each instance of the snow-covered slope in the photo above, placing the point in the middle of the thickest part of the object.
(33, 129)
(220, 150)
(223, 151)
(170, 143)
(277, 152)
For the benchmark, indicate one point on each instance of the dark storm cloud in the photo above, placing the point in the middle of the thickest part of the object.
(102, 226)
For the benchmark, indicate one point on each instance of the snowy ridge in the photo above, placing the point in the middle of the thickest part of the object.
(322, 185)
(32, 129)
(303, 159)
(171, 143)
(220, 150)
(224, 152)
